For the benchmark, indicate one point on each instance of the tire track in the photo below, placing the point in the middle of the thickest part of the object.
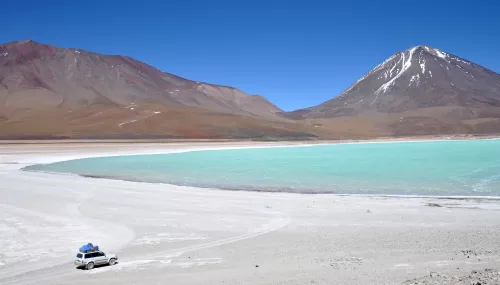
(277, 224)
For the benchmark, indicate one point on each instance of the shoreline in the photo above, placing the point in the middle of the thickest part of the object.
(257, 145)
(242, 145)
(192, 235)
(250, 141)
(394, 196)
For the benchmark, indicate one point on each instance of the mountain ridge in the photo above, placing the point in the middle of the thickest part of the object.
(48, 91)
(137, 78)
(69, 92)
(26, 41)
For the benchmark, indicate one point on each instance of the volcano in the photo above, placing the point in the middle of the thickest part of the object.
(422, 90)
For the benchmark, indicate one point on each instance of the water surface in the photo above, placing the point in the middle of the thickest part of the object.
(443, 168)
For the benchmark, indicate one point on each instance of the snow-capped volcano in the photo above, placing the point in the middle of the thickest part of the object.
(419, 77)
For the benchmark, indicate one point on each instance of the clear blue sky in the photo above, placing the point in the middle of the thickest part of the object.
(295, 53)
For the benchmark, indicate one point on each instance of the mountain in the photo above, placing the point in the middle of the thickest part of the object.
(48, 91)
(53, 92)
(71, 78)
(422, 90)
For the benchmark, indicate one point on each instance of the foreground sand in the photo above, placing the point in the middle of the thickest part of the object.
(167, 234)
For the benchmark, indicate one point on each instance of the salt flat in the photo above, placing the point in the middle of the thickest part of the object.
(166, 234)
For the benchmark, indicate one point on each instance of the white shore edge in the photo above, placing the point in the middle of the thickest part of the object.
(189, 235)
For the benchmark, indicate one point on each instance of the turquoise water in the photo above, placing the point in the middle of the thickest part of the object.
(465, 168)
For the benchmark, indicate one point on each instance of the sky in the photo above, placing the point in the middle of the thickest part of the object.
(295, 53)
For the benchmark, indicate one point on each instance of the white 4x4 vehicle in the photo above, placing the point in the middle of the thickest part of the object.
(88, 260)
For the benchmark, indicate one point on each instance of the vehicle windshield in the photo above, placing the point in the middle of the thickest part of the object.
(79, 255)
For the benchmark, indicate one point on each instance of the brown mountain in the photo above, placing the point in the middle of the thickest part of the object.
(422, 90)
(71, 78)
(52, 91)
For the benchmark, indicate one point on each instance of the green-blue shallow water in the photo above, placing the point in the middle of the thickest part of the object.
(442, 168)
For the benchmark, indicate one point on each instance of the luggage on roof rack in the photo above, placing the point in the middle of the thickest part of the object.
(89, 247)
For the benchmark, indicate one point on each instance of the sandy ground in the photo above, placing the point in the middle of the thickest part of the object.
(166, 234)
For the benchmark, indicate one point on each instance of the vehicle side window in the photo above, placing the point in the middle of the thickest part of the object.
(88, 255)
(99, 254)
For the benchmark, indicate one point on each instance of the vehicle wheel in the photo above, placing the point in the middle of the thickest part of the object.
(90, 266)
(112, 261)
